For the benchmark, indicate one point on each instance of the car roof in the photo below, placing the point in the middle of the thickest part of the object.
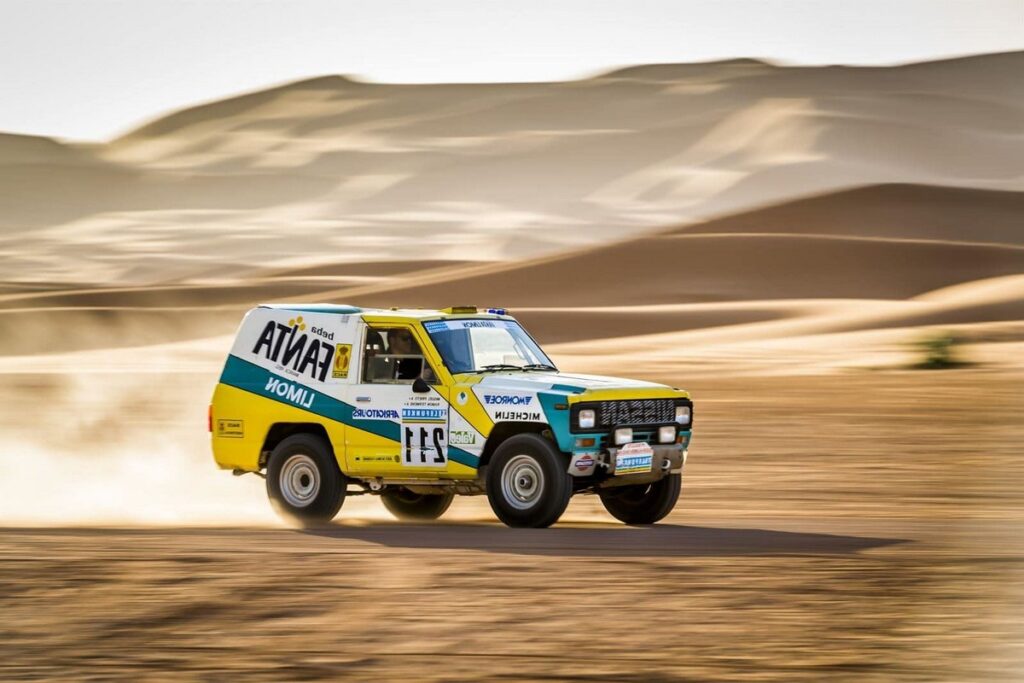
(411, 313)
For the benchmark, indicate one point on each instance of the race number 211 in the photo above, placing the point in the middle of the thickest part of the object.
(424, 446)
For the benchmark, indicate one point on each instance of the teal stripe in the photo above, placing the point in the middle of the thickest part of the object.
(256, 380)
(462, 457)
(250, 377)
(558, 418)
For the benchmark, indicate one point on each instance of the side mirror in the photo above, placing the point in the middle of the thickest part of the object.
(420, 386)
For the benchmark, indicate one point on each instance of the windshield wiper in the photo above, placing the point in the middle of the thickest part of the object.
(498, 366)
(540, 366)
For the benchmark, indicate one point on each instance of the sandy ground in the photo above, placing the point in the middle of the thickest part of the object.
(857, 526)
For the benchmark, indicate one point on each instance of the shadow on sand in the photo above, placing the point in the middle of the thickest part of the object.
(661, 540)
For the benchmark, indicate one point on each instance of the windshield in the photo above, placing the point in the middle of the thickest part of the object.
(474, 345)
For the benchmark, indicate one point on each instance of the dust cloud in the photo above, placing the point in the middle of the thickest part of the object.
(85, 445)
(114, 445)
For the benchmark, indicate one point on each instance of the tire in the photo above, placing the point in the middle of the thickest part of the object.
(304, 483)
(404, 504)
(643, 503)
(527, 482)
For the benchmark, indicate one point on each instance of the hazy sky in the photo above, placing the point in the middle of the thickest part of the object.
(89, 69)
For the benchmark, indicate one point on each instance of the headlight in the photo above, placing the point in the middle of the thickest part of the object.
(667, 434)
(683, 415)
(587, 419)
(623, 435)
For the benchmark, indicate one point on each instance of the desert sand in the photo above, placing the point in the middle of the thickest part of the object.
(778, 240)
(859, 526)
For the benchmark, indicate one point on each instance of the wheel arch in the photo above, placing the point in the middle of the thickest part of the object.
(279, 431)
(502, 431)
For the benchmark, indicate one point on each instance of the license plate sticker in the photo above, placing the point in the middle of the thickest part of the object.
(634, 458)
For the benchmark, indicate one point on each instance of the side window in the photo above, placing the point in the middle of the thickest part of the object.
(393, 356)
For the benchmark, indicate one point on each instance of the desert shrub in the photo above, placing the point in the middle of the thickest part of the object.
(938, 351)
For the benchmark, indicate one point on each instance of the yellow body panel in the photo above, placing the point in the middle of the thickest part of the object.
(471, 410)
(257, 415)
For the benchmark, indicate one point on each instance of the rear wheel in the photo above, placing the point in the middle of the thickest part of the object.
(643, 503)
(527, 482)
(304, 483)
(404, 504)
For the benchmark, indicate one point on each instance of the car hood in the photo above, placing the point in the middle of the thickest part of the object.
(570, 383)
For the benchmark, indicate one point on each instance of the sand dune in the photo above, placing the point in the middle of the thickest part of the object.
(921, 212)
(886, 242)
(870, 258)
(694, 268)
(804, 201)
(282, 283)
(379, 172)
(46, 331)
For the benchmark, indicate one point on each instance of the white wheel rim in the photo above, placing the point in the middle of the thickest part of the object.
(522, 482)
(299, 480)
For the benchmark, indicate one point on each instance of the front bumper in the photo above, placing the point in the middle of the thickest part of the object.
(666, 459)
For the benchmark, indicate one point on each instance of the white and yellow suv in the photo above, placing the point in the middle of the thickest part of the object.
(416, 406)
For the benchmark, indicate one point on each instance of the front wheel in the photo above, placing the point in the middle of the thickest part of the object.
(643, 503)
(527, 482)
(304, 482)
(404, 504)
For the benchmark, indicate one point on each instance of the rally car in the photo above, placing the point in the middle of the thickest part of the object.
(416, 406)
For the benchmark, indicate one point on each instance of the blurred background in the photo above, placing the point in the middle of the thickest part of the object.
(810, 214)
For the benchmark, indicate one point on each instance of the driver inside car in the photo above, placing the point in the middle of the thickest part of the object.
(402, 343)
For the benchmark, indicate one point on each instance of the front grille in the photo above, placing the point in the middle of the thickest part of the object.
(637, 412)
(648, 412)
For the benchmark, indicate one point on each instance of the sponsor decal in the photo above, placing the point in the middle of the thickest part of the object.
(636, 448)
(424, 431)
(506, 400)
(342, 358)
(290, 347)
(424, 408)
(584, 463)
(517, 415)
(634, 458)
(462, 398)
(519, 407)
(423, 414)
(298, 395)
(462, 324)
(381, 458)
(375, 414)
(230, 429)
(329, 336)
(462, 438)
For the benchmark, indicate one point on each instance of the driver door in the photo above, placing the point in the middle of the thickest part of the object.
(397, 431)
